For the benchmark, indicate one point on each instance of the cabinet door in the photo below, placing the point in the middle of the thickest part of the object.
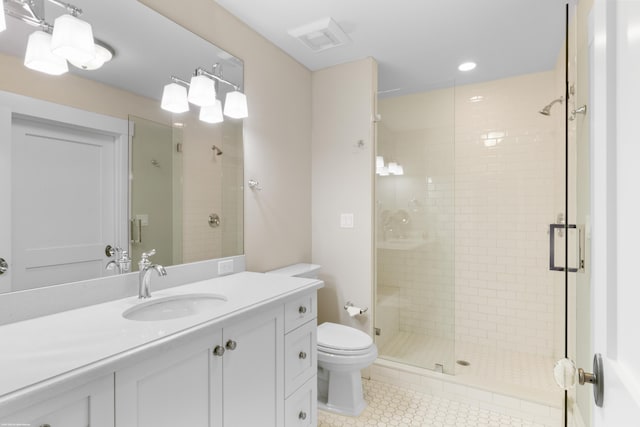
(168, 390)
(88, 405)
(253, 376)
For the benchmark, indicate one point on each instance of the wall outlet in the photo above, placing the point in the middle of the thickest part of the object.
(346, 220)
(225, 267)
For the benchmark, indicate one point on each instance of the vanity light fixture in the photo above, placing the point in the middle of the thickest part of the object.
(3, 22)
(392, 168)
(72, 39)
(39, 56)
(202, 92)
(69, 39)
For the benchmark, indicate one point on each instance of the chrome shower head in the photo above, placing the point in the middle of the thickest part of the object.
(546, 111)
(216, 150)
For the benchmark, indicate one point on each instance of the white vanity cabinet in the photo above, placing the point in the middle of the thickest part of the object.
(228, 378)
(301, 364)
(88, 405)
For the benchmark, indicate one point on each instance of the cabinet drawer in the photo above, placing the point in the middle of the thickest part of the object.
(300, 358)
(301, 409)
(300, 311)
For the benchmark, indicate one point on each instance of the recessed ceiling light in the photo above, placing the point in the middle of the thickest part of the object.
(467, 66)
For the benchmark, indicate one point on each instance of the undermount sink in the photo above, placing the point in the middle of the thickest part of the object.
(174, 307)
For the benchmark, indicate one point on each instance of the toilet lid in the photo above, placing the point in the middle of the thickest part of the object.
(340, 337)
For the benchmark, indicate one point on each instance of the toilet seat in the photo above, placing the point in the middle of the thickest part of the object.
(340, 339)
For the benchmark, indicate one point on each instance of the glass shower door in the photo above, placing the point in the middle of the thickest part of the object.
(415, 305)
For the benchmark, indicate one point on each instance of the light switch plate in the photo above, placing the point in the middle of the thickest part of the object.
(346, 220)
(225, 267)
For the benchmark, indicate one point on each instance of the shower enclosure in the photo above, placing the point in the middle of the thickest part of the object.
(469, 178)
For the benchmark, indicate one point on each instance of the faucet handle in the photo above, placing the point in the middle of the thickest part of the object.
(145, 255)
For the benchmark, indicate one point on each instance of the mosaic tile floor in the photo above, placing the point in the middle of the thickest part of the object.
(390, 405)
(509, 372)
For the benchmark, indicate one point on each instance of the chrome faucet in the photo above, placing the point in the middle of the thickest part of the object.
(144, 285)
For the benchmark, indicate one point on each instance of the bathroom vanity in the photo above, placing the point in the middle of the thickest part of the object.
(237, 350)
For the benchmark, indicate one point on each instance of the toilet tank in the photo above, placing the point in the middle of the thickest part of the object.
(298, 270)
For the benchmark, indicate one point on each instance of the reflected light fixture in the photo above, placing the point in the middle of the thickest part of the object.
(39, 56)
(235, 105)
(202, 92)
(212, 113)
(174, 98)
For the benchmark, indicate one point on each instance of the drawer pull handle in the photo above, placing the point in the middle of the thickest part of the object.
(302, 355)
(302, 309)
(302, 415)
(218, 350)
(231, 345)
(45, 425)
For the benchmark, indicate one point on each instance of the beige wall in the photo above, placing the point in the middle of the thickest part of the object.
(342, 182)
(277, 134)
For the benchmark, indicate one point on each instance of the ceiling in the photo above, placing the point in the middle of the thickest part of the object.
(419, 44)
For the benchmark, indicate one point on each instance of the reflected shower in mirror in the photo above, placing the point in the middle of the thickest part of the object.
(169, 182)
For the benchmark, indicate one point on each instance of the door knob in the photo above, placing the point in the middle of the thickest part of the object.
(231, 345)
(565, 374)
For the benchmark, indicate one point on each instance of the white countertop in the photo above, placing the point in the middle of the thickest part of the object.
(42, 349)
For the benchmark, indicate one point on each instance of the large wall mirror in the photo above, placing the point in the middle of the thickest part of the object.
(178, 180)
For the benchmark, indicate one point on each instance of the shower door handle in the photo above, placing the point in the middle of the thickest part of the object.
(552, 246)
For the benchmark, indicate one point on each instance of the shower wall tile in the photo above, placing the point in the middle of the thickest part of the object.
(506, 195)
(480, 195)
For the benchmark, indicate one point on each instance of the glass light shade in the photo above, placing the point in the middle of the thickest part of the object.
(102, 55)
(202, 91)
(40, 58)
(400, 170)
(3, 22)
(383, 171)
(174, 98)
(235, 105)
(393, 168)
(72, 39)
(379, 161)
(212, 113)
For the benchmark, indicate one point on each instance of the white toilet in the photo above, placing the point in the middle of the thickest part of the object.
(342, 352)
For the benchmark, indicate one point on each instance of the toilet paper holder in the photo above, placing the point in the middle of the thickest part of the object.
(353, 310)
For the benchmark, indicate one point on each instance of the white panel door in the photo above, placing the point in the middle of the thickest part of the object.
(63, 210)
(615, 65)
